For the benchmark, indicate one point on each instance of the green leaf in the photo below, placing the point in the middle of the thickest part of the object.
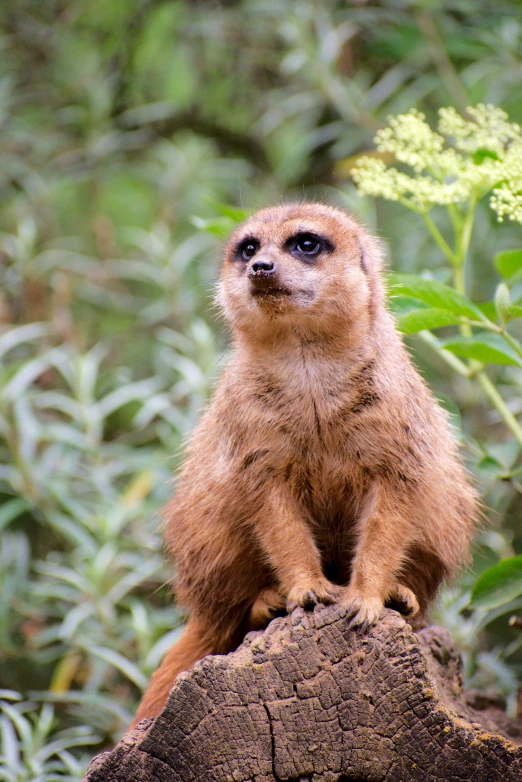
(11, 695)
(491, 466)
(17, 335)
(503, 301)
(426, 318)
(401, 305)
(234, 213)
(125, 666)
(508, 263)
(435, 294)
(515, 312)
(482, 154)
(485, 347)
(502, 304)
(499, 584)
(488, 309)
(515, 309)
(221, 227)
(11, 510)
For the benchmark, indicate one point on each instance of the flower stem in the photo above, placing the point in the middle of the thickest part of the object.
(450, 359)
(514, 343)
(485, 383)
(444, 246)
(474, 367)
(464, 234)
(501, 407)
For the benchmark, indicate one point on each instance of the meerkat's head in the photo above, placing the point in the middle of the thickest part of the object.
(305, 267)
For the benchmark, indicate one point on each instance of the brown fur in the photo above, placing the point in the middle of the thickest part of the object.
(323, 468)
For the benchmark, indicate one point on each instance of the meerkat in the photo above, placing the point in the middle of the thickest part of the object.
(323, 469)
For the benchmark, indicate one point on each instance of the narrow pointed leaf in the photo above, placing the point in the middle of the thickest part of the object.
(435, 294)
(125, 666)
(485, 347)
(426, 318)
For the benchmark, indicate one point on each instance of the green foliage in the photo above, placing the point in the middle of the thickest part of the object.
(30, 751)
(485, 158)
(509, 263)
(125, 130)
(483, 347)
(499, 585)
(436, 295)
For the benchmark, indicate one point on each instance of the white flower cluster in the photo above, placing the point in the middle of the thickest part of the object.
(490, 129)
(373, 178)
(411, 140)
(486, 154)
(506, 200)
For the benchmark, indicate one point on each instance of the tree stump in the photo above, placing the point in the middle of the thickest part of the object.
(310, 699)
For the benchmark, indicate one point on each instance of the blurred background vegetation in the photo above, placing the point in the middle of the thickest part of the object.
(133, 135)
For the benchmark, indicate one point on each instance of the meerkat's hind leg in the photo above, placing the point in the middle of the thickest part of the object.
(402, 599)
(268, 604)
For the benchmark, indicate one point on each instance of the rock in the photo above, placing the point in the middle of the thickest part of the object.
(309, 699)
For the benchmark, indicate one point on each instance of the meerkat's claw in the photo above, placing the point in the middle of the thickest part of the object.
(404, 600)
(364, 611)
(308, 600)
(322, 591)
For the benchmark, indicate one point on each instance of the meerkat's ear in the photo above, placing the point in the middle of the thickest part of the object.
(372, 264)
(371, 254)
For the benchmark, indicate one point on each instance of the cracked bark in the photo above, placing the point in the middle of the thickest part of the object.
(309, 699)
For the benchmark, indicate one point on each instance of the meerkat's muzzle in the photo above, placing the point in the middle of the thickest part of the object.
(262, 270)
(264, 278)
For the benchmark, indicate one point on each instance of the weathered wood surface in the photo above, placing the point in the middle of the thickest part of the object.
(309, 699)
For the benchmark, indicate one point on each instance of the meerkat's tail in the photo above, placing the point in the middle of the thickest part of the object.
(194, 644)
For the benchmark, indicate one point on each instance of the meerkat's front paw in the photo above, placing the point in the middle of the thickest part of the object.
(365, 611)
(402, 599)
(311, 593)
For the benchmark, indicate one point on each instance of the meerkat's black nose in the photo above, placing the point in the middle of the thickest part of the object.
(262, 269)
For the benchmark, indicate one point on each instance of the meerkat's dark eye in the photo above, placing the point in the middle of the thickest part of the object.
(248, 248)
(307, 246)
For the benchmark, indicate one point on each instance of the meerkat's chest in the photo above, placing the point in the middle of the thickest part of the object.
(316, 425)
(318, 445)
(322, 417)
